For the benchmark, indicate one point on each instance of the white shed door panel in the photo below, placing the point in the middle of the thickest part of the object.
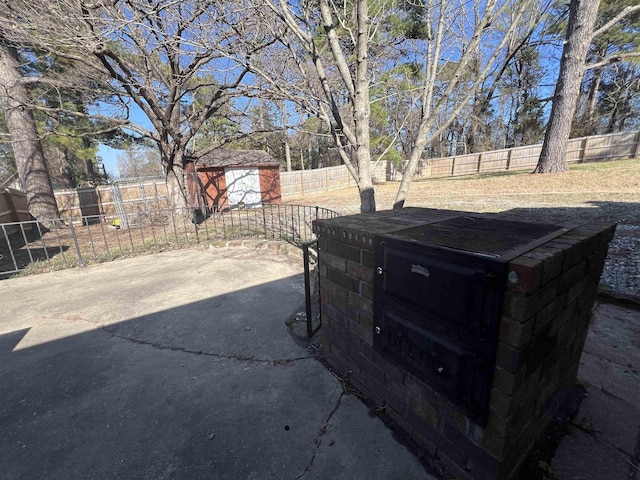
(243, 186)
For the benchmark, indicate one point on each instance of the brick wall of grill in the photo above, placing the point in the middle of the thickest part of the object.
(549, 295)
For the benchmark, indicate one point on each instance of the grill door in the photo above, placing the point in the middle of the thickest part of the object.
(446, 366)
(436, 312)
(445, 291)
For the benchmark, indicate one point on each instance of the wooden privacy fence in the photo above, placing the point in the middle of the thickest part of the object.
(13, 208)
(300, 182)
(145, 195)
(127, 196)
(584, 149)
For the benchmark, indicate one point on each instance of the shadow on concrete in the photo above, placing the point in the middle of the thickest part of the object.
(213, 388)
(210, 389)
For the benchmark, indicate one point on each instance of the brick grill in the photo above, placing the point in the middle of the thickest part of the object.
(548, 295)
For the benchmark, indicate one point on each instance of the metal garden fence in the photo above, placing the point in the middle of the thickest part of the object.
(80, 241)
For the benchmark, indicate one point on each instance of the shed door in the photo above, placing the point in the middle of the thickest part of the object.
(243, 186)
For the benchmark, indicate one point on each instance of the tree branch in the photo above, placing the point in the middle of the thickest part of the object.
(336, 49)
(611, 59)
(611, 23)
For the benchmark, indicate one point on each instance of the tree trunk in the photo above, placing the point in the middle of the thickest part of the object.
(362, 111)
(27, 149)
(592, 102)
(407, 179)
(287, 154)
(285, 126)
(176, 187)
(175, 177)
(477, 112)
(582, 17)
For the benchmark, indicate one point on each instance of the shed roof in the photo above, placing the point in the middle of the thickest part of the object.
(237, 158)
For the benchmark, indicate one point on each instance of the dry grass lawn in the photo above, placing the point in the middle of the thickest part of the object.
(608, 190)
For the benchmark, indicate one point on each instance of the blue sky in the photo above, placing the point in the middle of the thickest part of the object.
(109, 159)
(110, 155)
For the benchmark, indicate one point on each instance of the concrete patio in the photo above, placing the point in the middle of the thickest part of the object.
(179, 366)
(176, 366)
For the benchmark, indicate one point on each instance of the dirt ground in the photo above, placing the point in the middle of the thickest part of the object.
(606, 189)
(37, 248)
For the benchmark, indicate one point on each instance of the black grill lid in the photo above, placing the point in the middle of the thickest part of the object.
(503, 239)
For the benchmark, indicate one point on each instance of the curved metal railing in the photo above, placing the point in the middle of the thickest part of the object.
(78, 241)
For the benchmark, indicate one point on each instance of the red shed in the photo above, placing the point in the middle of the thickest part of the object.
(233, 178)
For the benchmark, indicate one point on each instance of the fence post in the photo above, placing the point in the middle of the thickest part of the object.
(479, 163)
(509, 155)
(6, 238)
(75, 242)
(264, 222)
(307, 289)
(583, 153)
(636, 153)
(453, 166)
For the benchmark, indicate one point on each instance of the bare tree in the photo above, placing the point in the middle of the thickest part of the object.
(580, 34)
(341, 49)
(160, 57)
(21, 125)
(139, 161)
(471, 39)
(295, 71)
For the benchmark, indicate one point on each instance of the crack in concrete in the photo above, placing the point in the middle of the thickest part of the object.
(223, 356)
(634, 463)
(237, 357)
(317, 439)
(633, 459)
(610, 394)
(627, 367)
